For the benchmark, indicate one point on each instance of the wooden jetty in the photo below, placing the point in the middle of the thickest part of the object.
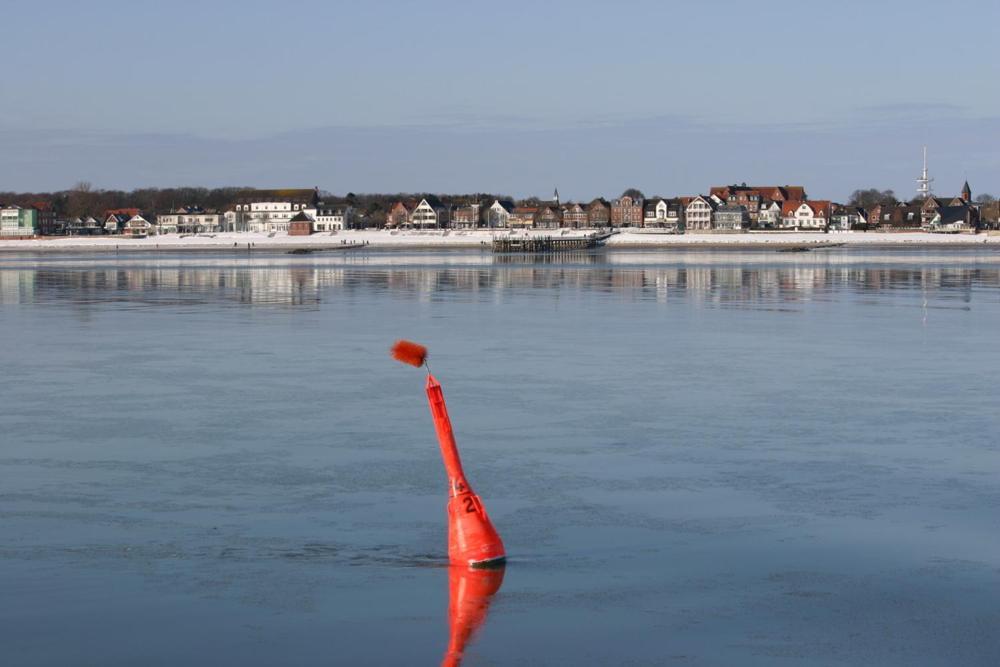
(533, 244)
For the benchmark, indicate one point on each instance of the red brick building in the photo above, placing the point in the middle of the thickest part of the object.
(626, 212)
(300, 225)
(598, 213)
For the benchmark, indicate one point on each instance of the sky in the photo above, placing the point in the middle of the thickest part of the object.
(511, 97)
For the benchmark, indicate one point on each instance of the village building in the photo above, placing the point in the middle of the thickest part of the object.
(598, 213)
(189, 220)
(138, 227)
(466, 217)
(88, 226)
(654, 213)
(698, 214)
(730, 218)
(18, 222)
(269, 211)
(753, 196)
(952, 219)
(768, 215)
(574, 216)
(498, 214)
(523, 217)
(398, 216)
(548, 216)
(301, 224)
(429, 213)
(846, 218)
(805, 215)
(626, 211)
(333, 217)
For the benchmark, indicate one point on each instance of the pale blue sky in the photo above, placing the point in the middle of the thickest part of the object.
(514, 97)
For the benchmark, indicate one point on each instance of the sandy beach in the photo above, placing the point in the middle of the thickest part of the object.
(481, 239)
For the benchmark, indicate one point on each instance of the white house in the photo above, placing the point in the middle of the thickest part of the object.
(269, 211)
(654, 213)
(331, 217)
(806, 215)
(698, 214)
(498, 214)
(769, 215)
(189, 220)
(426, 216)
(138, 227)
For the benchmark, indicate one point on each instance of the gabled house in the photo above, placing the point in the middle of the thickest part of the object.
(137, 227)
(698, 214)
(429, 213)
(548, 216)
(813, 215)
(574, 216)
(654, 213)
(398, 216)
(115, 223)
(598, 213)
(768, 215)
(498, 214)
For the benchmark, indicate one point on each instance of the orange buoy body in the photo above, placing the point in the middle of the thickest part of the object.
(469, 594)
(472, 539)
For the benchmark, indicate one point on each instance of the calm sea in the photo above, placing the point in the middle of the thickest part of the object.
(694, 458)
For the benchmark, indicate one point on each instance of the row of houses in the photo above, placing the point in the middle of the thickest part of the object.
(732, 208)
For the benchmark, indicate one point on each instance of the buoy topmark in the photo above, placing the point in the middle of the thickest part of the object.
(472, 539)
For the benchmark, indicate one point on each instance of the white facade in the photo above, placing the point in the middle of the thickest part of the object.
(805, 216)
(268, 217)
(497, 215)
(196, 223)
(138, 227)
(769, 215)
(424, 216)
(698, 214)
(332, 218)
(656, 216)
(10, 222)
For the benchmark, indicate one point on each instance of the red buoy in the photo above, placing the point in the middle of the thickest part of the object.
(472, 539)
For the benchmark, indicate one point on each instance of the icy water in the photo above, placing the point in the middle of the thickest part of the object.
(694, 458)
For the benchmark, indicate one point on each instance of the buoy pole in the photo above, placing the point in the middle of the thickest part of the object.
(472, 539)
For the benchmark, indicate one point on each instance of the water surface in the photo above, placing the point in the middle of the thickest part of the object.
(694, 458)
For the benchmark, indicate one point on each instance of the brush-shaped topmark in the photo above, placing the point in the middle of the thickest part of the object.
(409, 352)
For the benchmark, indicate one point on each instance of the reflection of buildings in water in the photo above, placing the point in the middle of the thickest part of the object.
(17, 287)
(301, 284)
(470, 592)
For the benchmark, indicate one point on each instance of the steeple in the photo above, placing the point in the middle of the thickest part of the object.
(555, 196)
(966, 193)
(924, 182)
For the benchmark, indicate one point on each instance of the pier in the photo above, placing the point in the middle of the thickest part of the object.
(533, 244)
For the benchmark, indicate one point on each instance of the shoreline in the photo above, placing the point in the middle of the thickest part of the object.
(358, 240)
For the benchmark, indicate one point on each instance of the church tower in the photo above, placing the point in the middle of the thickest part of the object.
(966, 193)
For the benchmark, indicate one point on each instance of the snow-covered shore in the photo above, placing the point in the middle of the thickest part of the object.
(480, 239)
